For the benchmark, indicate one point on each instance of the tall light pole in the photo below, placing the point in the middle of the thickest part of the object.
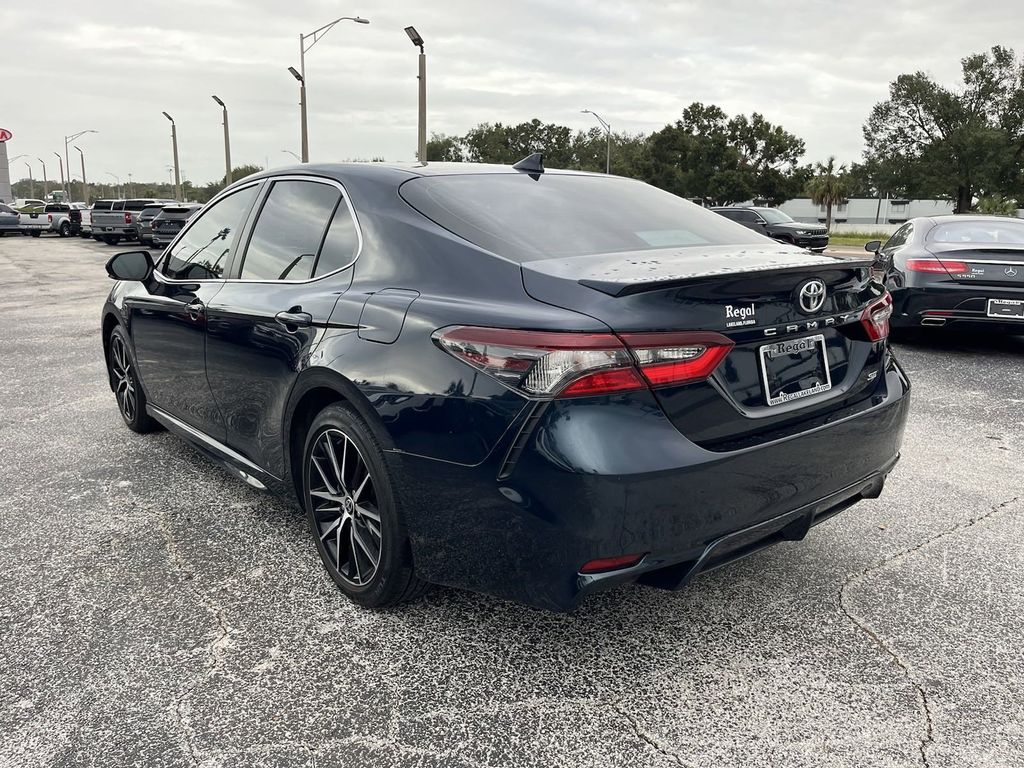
(85, 186)
(63, 185)
(303, 140)
(46, 182)
(67, 162)
(316, 34)
(116, 178)
(131, 186)
(174, 149)
(608, 138)
(227, 142)
(289, 152)
(31, 181)
(421, 137)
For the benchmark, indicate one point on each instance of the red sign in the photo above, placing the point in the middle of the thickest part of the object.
(5, 135)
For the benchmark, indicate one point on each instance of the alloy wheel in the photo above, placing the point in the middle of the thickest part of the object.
(343, 499)
(124, 378)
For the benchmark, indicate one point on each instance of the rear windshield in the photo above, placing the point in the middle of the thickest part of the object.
(5, 209)
(102, 205)
(1007, 232)
(177, 213)
(567, 215)
(136, 205)
(152, 210)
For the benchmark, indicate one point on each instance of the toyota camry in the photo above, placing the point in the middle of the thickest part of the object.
(526, 382)
(962, 271)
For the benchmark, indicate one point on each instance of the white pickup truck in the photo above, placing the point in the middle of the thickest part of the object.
(60, 218)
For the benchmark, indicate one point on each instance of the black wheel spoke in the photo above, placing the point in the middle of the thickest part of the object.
(343, 501)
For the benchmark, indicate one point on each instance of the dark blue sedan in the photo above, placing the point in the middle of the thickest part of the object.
(526, 382)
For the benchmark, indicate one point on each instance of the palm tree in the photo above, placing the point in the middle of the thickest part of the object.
(828, 187)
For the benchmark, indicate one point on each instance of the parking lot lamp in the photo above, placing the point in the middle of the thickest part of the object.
(288, 151)
(63, 183)
(314, 38)
(67, 162)
(85, 185)
(174, 150)
(46, 182)
(31, 181)
(608, 139)
(227, 142)
(421, 136)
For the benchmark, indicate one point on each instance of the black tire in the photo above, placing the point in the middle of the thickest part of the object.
(111, 239)
(84, 235)
(36, 233)
(64, 230)
(392, 579)
(124, 380)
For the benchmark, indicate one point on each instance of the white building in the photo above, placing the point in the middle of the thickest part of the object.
(866, 213)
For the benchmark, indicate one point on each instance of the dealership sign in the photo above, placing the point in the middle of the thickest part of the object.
(5, 135)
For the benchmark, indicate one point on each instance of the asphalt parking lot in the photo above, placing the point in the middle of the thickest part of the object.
(158, 612)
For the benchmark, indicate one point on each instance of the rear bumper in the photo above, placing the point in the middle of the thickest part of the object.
(612, 476)
(948, 305)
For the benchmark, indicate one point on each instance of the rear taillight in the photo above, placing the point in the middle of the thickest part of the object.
(127, 218)
(937, 266)
(604, 564)
(875, 318)
(49, 217)
(556, 364)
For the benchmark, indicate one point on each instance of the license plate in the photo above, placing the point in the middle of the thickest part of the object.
(794, 369)
(1005, 308)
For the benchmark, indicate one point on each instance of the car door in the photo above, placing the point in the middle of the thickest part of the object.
(265, 323)
(168, 322)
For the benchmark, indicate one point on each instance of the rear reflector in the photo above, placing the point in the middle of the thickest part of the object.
(875, 318)
(603, 564)
(559, 364)
(937, 266)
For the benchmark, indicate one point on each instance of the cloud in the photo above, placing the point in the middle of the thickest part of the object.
(814, 66)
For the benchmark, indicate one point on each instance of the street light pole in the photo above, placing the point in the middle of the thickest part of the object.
(85, 186)
(289, 152)
(421, 135)
(608, 139)
(116, 178)
(67, 162)
(316, 34)
(46, 182)
(227, 142)
(174, 149)
(63, 185)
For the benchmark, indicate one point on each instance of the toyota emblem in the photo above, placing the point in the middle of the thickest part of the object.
(811, 296)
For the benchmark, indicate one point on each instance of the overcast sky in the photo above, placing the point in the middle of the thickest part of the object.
(814, 66)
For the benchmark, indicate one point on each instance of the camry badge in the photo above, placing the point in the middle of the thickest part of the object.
(811, 296)
(1010, 272)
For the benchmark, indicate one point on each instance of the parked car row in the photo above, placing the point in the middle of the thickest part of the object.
(151, 222)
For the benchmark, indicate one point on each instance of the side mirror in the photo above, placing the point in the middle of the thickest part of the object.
(130, 265)
(873, 247)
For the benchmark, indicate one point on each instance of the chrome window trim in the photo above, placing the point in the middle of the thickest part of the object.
(216, 199)
(351, 211)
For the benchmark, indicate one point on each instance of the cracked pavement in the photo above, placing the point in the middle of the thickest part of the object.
(158, 612)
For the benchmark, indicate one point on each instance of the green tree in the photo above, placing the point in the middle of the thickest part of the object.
(828, 187)
(997, 205)
(954, 143)
(708, 155)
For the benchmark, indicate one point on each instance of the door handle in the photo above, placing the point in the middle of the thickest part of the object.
(195, 309)
(294, 319)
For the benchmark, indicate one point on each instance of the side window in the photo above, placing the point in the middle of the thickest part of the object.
(899, 238)
(745, 216)
(289, 231)
(202, 252)
(341, 244)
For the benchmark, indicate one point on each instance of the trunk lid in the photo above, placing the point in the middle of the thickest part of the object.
(1001, 265)
(791, 362)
